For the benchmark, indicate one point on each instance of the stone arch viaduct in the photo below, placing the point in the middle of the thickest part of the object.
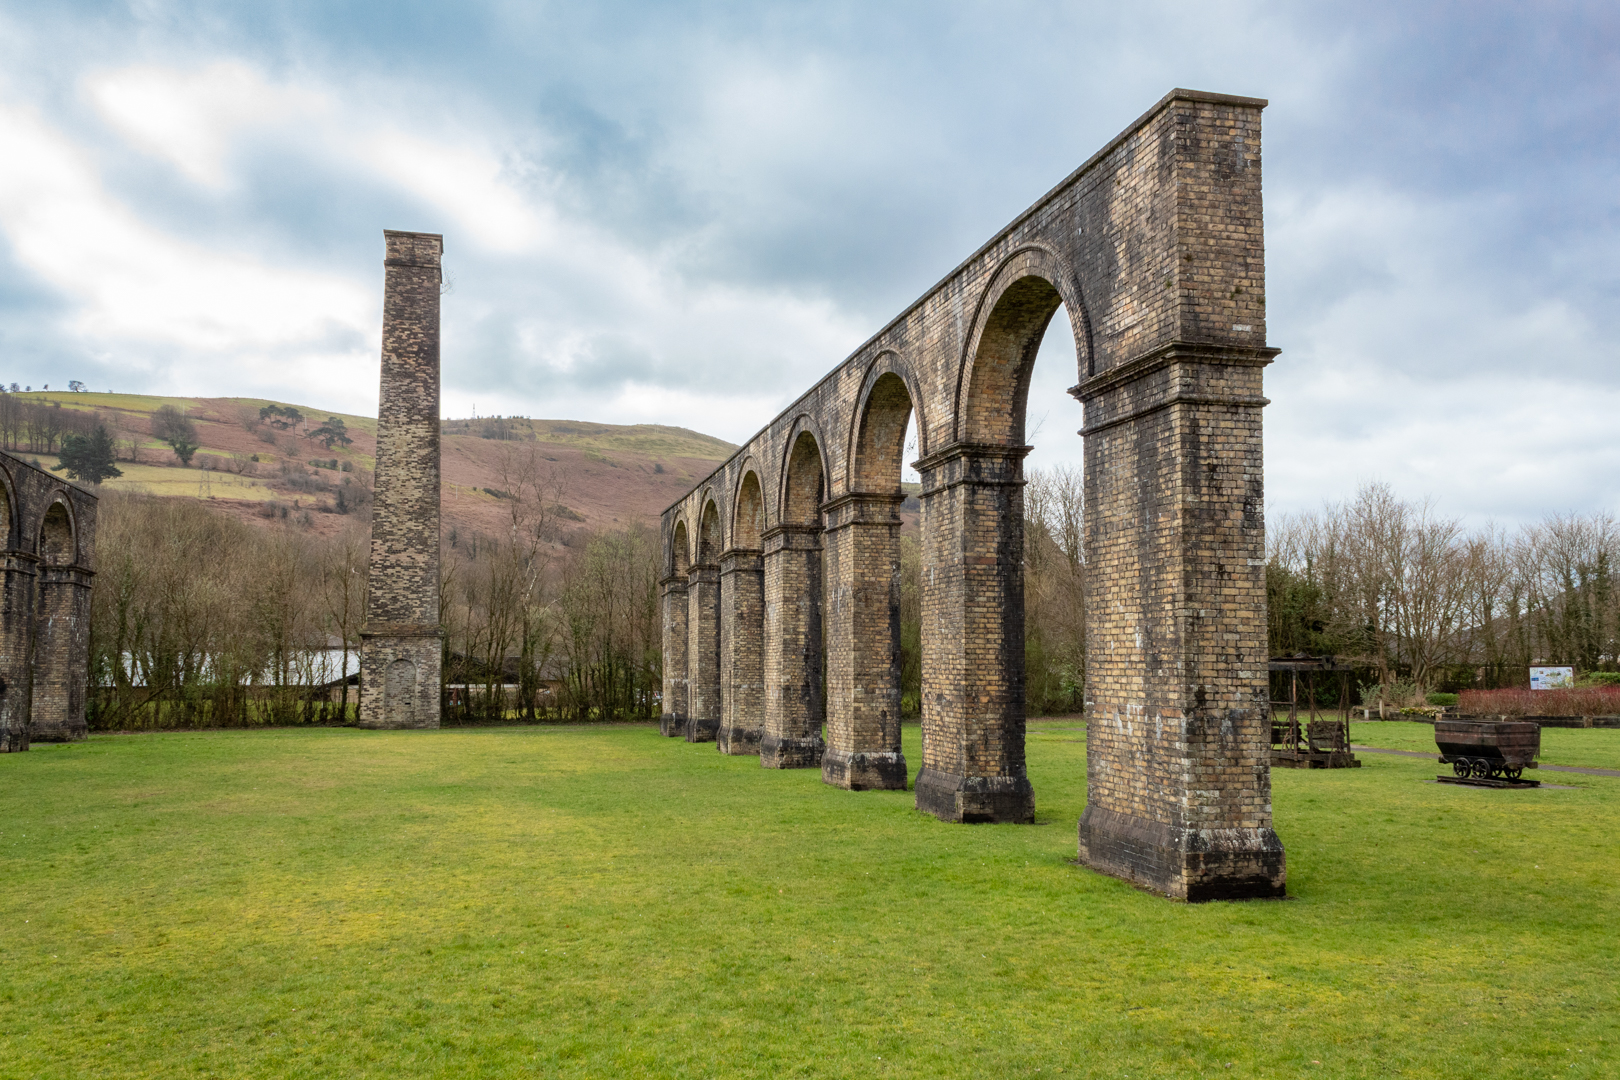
(49, 531)
(780, 590)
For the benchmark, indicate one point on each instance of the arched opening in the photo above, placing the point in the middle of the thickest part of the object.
(806, 484)
(704, 697)
(881, 443)
(709, 535)
(679, 550)
(673, 711)
(56, 536)
(998, 390)
(795, 689)
(863, 617)
(749, 522)
(886, 446)
(1054, 530)
(5, 515)
(742, 624)
(1019, 395)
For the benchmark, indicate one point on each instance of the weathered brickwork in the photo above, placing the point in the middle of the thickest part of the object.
(672, 717)
(400, 651)
(1155, 249)
(676, 635)
(862, 626)
(703, 652)
(46, 570)
(742, 656)
(794, 710)
(973, 635)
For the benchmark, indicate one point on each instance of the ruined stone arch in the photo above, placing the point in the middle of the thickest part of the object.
(804, 475)
(877, 432)
(748, 515)
(58, 538)
(49, 531)
(1009, 323)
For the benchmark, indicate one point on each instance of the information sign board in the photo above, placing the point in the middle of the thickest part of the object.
(1552, 678)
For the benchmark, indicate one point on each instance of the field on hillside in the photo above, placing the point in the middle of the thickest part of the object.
(606, 476)
(599, 901)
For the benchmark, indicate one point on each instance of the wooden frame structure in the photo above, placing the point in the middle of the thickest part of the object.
(1322, 742)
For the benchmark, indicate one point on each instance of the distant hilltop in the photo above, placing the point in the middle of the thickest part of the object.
(267, 460)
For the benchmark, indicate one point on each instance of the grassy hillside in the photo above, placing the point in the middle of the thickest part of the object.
(606, 475)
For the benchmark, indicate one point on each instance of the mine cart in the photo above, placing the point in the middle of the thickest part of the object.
(1484, 749)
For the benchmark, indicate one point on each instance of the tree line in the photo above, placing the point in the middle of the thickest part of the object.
(28, 426)
(1424, 602)
(1054, 598)
(201, 620)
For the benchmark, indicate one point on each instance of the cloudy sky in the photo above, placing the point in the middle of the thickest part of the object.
(685, 213)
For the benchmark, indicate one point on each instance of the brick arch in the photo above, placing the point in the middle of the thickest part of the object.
(1009, 323)
(711, 535)
(680, 548)
(58, 534)
(748, 513)
(804, 475)
(877, 426)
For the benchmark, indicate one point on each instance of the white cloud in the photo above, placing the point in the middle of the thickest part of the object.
(725, 205)
(131, 280)
(1412, 355)
(193, 119)
(466, 183)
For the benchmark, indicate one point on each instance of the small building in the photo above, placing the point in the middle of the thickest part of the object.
(49, 525)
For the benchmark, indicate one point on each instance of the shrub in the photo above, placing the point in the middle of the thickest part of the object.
(1397, 693)
(1521, 701)
(1442, 699)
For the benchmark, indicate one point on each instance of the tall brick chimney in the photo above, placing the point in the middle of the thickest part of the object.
(400, 660)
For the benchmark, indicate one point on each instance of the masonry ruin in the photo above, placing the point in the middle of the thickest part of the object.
(789, 551)
(400, 654)
(49, 527)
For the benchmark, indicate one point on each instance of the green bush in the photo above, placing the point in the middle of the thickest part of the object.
(1441, 699)
(1601, 678)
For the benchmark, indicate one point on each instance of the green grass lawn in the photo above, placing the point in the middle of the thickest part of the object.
(1593, 747)
(604, 902)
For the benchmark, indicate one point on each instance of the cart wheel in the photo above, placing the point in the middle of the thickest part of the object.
(1460, 766)
(1482, 769)
(1513, 773)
